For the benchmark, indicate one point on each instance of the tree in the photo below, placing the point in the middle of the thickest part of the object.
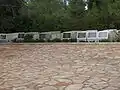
(114, 13)
(46, 15)
(9, 9)
(76, 12)
(49, 15)
(97, 3)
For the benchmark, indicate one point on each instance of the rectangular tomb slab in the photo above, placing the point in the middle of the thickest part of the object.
(103, 35)
(92, 35)
(81, 36)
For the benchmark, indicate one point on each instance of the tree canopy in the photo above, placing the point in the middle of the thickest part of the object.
(62, 15)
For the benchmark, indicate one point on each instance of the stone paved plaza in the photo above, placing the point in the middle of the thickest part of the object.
(60, 67)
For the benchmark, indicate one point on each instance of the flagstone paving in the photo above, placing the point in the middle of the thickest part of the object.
(60, 67)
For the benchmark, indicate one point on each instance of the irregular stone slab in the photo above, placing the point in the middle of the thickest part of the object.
(20, 88)
(74, 87)
(105, 79)
(94, 80)
(51, 82)
(111, 88)
(115, 82)
(35, 67)
(100, 85)
(5, 88)
(79, 79)
(79, 70)
(62, 88)
(66, 67)
(87, 88)
(62, 84)
(48, 88)
(63, 75)
(34, 86)
(64, 80)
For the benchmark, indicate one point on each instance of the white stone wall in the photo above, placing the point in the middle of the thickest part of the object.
(111, 35)
(52, 35)
(35, 35)
(90, 37)
(81, 38)
(12, 36)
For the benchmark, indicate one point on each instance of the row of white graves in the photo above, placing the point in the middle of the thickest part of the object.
(90, 35)
(50, 35)
(19, 36)
(36, 36)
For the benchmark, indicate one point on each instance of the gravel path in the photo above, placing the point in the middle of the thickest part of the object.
(60, 67)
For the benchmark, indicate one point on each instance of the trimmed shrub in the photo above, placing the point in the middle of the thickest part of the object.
(28, 37)
(16, 40)
(56, 40)
(41, 40)
(49, 40)
(104, 40)
(34, 41)
(66, 40)
(73, 40)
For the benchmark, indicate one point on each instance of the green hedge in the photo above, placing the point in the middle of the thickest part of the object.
(104, 40)
(28, 37)
(30, 41)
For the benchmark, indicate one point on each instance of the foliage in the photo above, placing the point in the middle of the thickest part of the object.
(28, 37)
(46, 15)
(66, 40)
(33, 41)
(9, 10)
(56, 40)
(76, 11)
(55, 15)
(73, 40)
(105, 40)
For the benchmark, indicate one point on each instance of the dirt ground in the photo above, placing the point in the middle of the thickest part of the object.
(60, 67)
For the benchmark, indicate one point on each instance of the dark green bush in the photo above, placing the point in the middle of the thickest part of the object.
(82, 41)
(104, 40)
(16, 40)
(29, 40)
(56, 40)
(118, 40)
(34, 41)
(66, 40)
(73, 40)
(48, 40)
(28, 37)
(41, 40)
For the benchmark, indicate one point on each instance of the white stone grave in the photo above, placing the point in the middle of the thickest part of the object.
(92, 35)
(81, 36)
